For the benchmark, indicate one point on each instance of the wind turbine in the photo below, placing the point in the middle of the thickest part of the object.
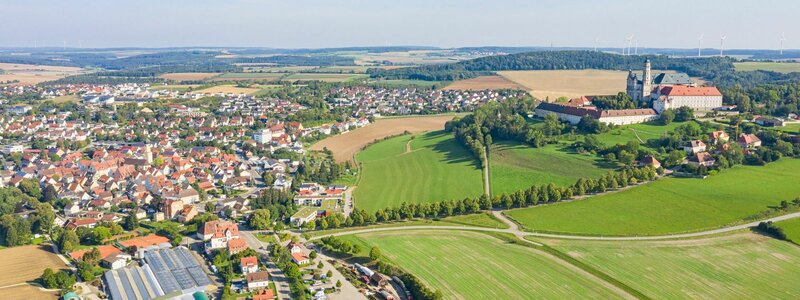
(636, 49)
(700, 44)
(783, 39)
(595, 44)
(722, 43)
(628, 41)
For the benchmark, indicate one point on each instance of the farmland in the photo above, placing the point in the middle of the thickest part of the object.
(484, 83)
(344, 146)
(229, 89)
(27, 291)
(568, 83)
(739, 266)
(671, 205)
(781, 67)
(34, 74)
(468, 265)
(515, 166)
(248, 76)
(188, 76)
(26, 263)
(327, 77)
(421, 168)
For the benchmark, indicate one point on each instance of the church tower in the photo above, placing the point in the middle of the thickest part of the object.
(647, 80)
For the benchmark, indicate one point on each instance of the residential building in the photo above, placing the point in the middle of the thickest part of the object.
(695, 146)
(217, 233)
(249, 264)
(257, 280)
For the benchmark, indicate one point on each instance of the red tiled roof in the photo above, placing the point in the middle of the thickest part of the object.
(682, 90)
(105, 251)
(145, 241)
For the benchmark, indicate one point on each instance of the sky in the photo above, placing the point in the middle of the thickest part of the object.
(748, 24)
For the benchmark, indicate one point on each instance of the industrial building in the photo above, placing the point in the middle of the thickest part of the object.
(164, 273)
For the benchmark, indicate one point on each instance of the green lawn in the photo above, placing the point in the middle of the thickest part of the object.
(740, 266)
(791, 128)
(644, 131)
(437, 168)
(791, 228)
(469, 265)
(768, 66)
(516, 166)
(672, 205)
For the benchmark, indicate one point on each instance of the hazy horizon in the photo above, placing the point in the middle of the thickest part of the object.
(361, 23)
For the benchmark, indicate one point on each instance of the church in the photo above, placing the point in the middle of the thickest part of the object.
(641, 85)
(671, 91)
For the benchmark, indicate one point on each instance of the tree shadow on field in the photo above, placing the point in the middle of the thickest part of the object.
(451, 149)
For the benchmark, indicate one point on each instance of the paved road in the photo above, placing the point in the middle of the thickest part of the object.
(519, 233)
(281, 283)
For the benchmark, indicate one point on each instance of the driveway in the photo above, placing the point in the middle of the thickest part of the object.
(348, 290)
(281, 283)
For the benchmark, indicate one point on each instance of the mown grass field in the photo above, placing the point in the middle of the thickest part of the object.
(791, 128)
(636, 132)
(515, 166)
(427, 167)
(768, 66)
(671, 205)
(486, 220)
(469, 265)
(791, 228)
(327, 77)
(740, 266)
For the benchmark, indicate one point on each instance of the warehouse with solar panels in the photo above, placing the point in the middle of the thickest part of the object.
(165, 273)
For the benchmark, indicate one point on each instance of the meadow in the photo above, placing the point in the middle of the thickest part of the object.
(423, 168)
(791, 228)
(248, 76)
(515, 166)
(345, 146)
(671, 205)
(637, 132)
(484, 83)
(790, 128)
(469, 265)
(739, 266)
(781, 67)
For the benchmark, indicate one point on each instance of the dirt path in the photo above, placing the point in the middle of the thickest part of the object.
(408, 146)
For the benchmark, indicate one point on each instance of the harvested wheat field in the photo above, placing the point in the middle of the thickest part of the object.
(344, 146)
(33, 74)
(27, 291)
(569, 83)
(228, 89)
(26, 263)
(484, 83)
(187, 76)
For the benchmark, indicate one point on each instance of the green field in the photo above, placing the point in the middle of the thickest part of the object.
(740, 266)
(249, 76)
(437, 168)
(636, 132)
(672, 205)
(480, 220)
(791, 128)
(791, 228)
(768, 66)
(468, 265)
(516, 166)
(329, 77)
